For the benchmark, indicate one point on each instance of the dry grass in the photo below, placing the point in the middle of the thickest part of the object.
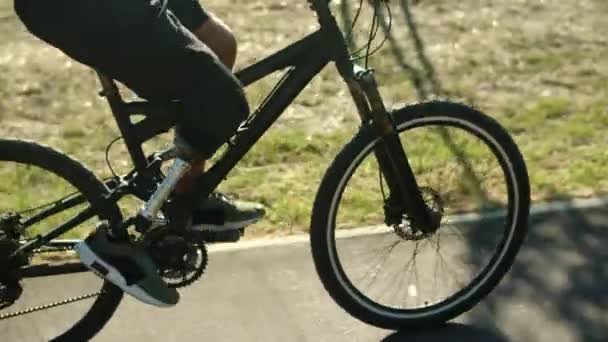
(539, 67)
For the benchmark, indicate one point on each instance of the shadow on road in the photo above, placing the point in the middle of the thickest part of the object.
(577, 248)
(448, 332)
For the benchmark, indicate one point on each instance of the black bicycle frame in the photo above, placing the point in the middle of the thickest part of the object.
(303, 60)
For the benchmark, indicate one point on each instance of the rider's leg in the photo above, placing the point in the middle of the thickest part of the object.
(217, 212)
(153, 54)
(219, 37)
(207, 27)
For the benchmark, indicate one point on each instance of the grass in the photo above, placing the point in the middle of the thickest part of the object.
(539, 68)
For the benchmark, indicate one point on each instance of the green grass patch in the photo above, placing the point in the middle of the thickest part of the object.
(524, 63)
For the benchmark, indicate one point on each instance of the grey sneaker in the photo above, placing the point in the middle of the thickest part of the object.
(219, 213)
(128, 266)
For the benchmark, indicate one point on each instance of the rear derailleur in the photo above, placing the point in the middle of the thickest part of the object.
(10, 287)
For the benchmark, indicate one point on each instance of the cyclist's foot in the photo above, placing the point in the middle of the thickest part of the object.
(127, 266)
(218, 213)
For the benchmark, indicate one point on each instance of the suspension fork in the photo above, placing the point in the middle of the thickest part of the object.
(391, 157)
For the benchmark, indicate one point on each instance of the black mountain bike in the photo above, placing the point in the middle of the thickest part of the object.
(416, 220)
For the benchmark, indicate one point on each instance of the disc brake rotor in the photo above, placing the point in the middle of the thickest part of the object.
(434, 205)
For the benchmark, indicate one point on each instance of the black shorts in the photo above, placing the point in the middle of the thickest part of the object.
(189, 12)
(151, 51)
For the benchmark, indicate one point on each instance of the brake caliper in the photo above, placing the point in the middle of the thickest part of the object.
(393, 211)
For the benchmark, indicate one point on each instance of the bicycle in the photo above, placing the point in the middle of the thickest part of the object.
(412, 211)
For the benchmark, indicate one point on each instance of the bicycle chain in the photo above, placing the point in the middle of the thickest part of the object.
(50, 305)
(79, 298)
(52, 250)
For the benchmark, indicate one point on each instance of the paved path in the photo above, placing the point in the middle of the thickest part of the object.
(556, 292)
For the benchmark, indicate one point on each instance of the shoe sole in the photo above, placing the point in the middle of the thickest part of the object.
(108, 272)
(227, 226)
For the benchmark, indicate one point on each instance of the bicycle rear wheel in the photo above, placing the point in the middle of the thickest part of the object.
(32, 176)
(470, 172)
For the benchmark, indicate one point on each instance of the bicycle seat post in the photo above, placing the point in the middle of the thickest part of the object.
(121, 114)
(109, 89)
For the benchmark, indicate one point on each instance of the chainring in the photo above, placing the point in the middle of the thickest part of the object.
(179, 261)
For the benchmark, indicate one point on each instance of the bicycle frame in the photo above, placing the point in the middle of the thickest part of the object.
(303, 60)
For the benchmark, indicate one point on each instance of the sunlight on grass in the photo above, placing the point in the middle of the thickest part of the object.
(540, 73)
(25, 187)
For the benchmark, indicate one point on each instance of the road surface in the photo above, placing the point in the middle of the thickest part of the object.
(555, 292)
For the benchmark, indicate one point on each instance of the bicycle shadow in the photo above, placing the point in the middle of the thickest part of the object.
(448, 332)
(554, 291)
(559, 278)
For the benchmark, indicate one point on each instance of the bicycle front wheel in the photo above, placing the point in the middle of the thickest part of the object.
(62, 307)
(470, 172)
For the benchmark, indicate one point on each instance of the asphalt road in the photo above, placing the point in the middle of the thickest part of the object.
(555, 292)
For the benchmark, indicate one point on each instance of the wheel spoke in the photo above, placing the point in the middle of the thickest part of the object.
(45, 273)
(464, 180)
